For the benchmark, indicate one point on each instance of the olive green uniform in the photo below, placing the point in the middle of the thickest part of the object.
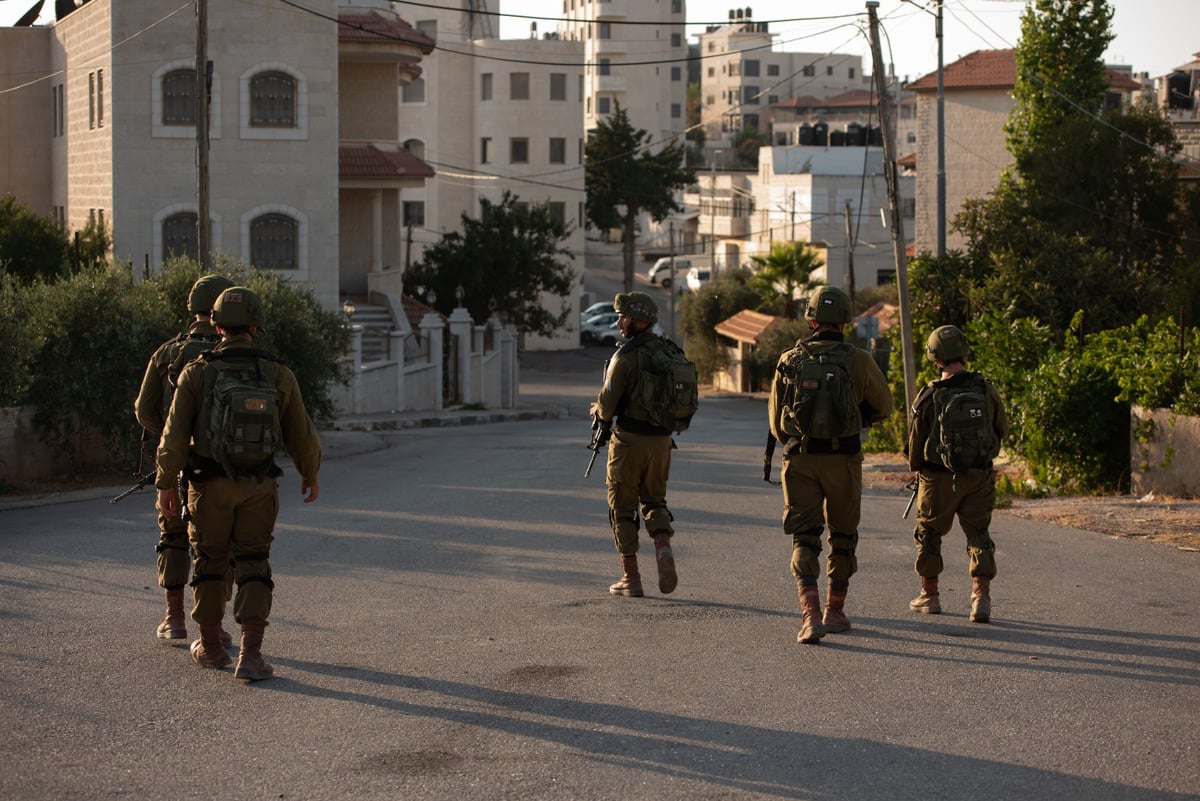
(150, 408)
(232, 519)
(822, 482)
(942, 494)
(639, 455)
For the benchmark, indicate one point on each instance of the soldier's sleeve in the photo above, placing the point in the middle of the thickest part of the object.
(875, 397)
(1000, 417)
(147, 407)
(299, 434)
(773, 402)
(175, 444)
(918, 431)
(617, 381)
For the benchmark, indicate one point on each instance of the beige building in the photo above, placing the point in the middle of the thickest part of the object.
(742, 77)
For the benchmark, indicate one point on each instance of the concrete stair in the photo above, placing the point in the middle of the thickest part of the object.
(376, 322)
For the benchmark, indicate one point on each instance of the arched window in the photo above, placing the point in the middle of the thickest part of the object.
(273, 100)
(273, 242)
(179, 97)
(416, 147)
(179, 235)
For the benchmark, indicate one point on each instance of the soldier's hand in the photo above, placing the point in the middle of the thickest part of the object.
(168, 502)
(309, 491)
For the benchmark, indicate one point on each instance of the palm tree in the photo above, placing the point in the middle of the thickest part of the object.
(784, 272)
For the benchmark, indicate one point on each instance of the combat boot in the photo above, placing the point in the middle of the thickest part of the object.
(835, 620)
(631, 581)
(207, 650)
(174, 625)
(981, 599)
(811, 629)
(667, 578)
(250, 665)
(928, 601)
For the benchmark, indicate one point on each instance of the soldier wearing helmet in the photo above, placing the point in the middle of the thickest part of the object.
(822, 456)
(232, 516)
(151, 406)
(639, 452)
(957, 424)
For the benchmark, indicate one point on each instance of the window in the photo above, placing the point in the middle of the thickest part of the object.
(485, 147)
(485, 86)
(558, 150)
(100, 102)
(829, 70)
(772, 99)
(179, 97)
(273, 243)
(603, 105)
(558, 211)
(91, 100)
(772, 70)
(604, 30)
(750, 121)
(750, 68)
(750, 95)
(518, 86)
(428, 27)
(606, 66)
(179, 235)
(676, 111)
(414, 212)
(912, 137)
(579, 155)
(518, 150)
(272, 101)
(415, 91)
(676, 6)
(676, 73)
(712, 72)
(809, 71)
(908, 207)
(677, 40)
(558, 86)
(416, 147)
(708, 101)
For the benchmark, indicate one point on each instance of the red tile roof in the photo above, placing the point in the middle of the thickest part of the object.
(371, 25)
(368, 161)
(746, 326)
(983, 69)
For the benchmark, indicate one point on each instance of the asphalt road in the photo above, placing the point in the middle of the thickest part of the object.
(442, 630)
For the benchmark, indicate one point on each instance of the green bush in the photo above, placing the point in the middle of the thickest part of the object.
(31, 247)
(20, 339)
(701, 311)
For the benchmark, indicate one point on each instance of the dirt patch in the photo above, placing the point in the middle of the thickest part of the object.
(1153, 518)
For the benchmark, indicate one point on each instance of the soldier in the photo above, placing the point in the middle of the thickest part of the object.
(639, 453)
(233, 494)
(824, 393)
(958, 422)
(150, 408)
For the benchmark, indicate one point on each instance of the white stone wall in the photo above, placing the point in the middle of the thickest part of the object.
(975, 156)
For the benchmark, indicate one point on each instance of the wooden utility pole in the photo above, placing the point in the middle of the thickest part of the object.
(850, 285)
(897, 218)
(203, 246)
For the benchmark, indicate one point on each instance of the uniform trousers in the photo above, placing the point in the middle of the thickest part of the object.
(942, 495)
(638, 468)
(822, 489)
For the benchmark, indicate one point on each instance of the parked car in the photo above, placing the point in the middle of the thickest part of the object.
(660, 271)
(698, 277)
(600, 329)
(596, 308)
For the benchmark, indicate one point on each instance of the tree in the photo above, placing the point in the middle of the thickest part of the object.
(720, 299)
(505, 261)
(624, 178)
(784, 271)
(31, 247)
(746, 144)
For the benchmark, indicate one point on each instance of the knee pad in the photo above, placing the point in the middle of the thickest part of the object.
(658, 520)
(810, 539)
(842, 544)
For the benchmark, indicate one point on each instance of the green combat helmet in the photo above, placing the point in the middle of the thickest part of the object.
(829, 305)
(947, 344)
(636, 306)
(238, 307)
(205, 292)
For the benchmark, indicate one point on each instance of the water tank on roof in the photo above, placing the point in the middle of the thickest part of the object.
(805, 134)
(820, 134)
(875, 136)
(837, 138)
(1179, 90)
(856, 135)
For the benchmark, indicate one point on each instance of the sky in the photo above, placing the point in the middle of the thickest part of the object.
(1153, 36)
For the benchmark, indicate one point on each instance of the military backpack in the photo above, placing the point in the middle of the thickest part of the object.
(183, 349)
(243, 423)
(962, 437)
(667, 391)
(818, 398)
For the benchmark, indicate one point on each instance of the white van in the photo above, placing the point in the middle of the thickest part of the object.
(660, 272)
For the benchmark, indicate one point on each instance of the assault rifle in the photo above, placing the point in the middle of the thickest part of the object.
(768, 456)
(601, 434)
(142, 481)
(912, 485)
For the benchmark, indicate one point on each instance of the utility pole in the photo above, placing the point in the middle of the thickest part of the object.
(203, 246)
(849, 253)
(671, 288)
(897, 219)
(941, 143)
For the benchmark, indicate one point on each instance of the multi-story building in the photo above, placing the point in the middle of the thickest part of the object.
(742, 77)
(107, 116)
(847, 120)
(635, 55)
